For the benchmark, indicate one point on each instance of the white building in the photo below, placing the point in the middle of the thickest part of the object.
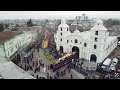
(83, 21)
(11, 42)
(93, 45)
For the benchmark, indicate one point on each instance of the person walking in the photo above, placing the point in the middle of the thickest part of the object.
(71, 76)
(37, 77)
(25, 67)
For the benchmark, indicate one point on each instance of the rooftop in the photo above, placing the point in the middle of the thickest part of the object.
(4, 36)
(8, 70)
(109, 39)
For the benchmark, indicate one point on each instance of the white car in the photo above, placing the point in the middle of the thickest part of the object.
(115, 61)
(113, 64)
(112, 67)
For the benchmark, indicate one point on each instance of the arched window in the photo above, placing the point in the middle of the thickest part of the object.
(67, 29)
(76, 41)
(61, 29)
(61, 34)
(95, 46)
(71, 40)
(67, 41)
(61, 39)
(85, 44)
(96, 33)
(96, 39)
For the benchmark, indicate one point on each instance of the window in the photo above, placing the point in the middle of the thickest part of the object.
(98, 23)
(80, 42)
(61, 39)
(95, 46)
(76, 41)
(61, 34)
(85, 44)
(67, 29)
(67, 41)
(11, 50)
(71, 40)
(61, 29)
(96, 39)
(96, 33)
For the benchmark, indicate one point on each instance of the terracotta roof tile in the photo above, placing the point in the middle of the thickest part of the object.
(7, 35)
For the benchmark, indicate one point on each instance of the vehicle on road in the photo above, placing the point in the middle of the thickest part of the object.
(105, 67)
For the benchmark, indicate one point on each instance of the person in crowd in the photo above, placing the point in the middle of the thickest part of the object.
(47, 75)
(71, 76)
(37, 77)
(25, 67)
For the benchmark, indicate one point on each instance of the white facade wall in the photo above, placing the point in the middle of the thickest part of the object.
(85, 52)
(13, 44)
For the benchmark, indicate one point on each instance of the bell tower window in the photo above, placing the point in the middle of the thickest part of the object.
(96, 33)
(61, 34)
(85, 44)
(67, 41)
(96, 39)
(61, 39)
(95, 46)
(61, 29)
(67, 29)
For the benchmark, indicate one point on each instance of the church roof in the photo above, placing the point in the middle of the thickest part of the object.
(76, 31)
(99, 26)
(109, 40)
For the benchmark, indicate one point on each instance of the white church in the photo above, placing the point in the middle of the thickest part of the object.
(93, 45)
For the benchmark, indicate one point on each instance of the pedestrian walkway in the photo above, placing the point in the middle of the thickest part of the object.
(77, 75)
(87, 64)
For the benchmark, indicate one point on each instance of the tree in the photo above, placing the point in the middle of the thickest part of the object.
(17, 25)
(30, 23)
(2, 27)
(6, 26)
(14, 29)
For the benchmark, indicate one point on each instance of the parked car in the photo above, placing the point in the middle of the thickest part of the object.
(113, 64)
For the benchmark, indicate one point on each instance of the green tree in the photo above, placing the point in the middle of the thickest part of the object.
(17, 25)
(14, 29)
(6, 26)
(30, 23)
(2, 27)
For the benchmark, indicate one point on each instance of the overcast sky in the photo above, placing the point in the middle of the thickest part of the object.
(56, 14)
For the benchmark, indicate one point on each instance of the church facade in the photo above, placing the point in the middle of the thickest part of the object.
(93, 45)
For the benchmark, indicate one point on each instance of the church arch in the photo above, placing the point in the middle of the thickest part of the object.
(61, 49)
(93, 58)
(76, 50)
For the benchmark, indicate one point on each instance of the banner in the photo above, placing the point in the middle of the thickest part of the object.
(45, 44)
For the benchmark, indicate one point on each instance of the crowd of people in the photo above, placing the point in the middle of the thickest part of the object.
(94, 74)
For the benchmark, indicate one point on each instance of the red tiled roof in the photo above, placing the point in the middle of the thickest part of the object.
(73, 27)
(7, 35)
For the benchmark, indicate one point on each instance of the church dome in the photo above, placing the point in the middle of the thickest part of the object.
(63, 21)
(99, 22)
(99, 26)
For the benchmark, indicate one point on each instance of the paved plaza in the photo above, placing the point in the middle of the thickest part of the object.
(43, 73)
